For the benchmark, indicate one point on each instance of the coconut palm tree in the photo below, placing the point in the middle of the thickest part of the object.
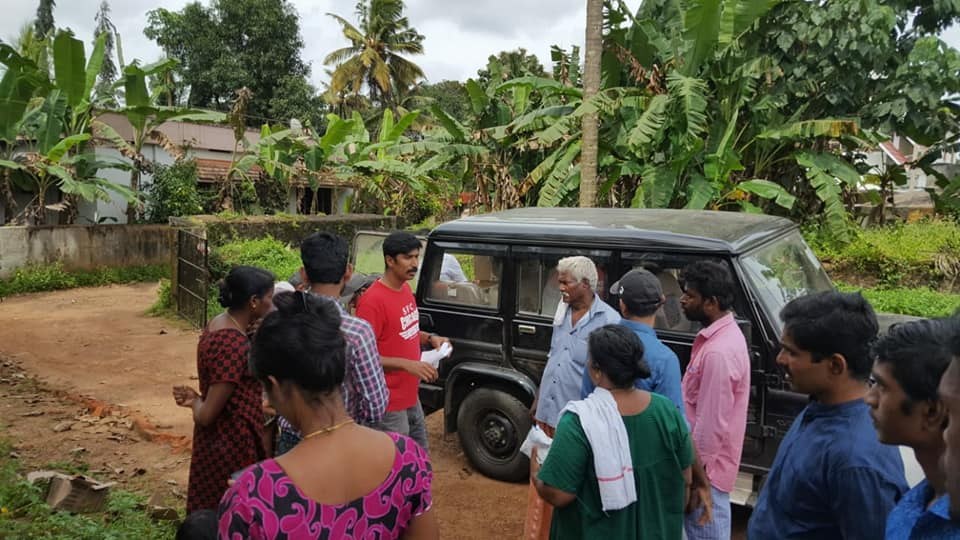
(591, 85)
(375, 56)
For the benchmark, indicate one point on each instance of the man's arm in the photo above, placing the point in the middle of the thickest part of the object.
(860, 500)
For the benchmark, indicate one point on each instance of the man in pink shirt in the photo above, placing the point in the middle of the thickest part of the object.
(716, 389)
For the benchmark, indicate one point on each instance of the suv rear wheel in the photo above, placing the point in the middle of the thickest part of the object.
(492, 425)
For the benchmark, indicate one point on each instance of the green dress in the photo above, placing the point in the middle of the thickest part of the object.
(660, 448)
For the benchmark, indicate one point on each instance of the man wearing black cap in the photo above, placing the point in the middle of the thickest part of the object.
(640, 297)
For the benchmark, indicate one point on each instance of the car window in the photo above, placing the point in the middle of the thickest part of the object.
(668, 267)
(368, 254)
(538, 291)
(466, 277)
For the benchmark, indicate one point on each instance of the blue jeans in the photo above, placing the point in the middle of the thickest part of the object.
(409, 422)
(719, 528)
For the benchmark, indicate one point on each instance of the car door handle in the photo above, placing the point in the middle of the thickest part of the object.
(527, 329)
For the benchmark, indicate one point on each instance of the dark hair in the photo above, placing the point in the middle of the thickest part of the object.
(399, 243)
(832, 322)
(324, 257)
(242, 283)
(301, 342)
(199, 525)
(618, 353)
(918, 353)
(639, 309)
(711, 279)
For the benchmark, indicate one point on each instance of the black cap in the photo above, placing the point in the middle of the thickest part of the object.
(639, 288)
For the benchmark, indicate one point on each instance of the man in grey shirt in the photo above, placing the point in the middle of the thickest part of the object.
(582, 311)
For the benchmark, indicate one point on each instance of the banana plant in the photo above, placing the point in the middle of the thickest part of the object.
(44, 129)
(145, 116)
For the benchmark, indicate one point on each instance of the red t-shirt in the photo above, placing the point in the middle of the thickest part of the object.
(396, 323)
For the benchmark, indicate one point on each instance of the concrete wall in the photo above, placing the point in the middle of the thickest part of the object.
(288, 229)
(80, 247)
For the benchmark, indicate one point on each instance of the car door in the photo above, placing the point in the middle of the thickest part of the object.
(677, 332)
(537, 300)
(459, 298)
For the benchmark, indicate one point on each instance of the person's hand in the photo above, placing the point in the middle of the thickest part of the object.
(424, 371)
(534, 463)
(700, 497)
(437, 341)
(185, 396)
(533, 408)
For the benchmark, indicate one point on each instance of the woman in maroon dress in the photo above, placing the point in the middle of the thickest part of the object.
(228, 411)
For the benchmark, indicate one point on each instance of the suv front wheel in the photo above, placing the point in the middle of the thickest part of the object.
(492, 425)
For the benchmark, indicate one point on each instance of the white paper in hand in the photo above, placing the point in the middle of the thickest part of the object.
(433, 356)
(536, 438)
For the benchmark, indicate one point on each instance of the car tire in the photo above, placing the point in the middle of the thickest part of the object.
(492, 425)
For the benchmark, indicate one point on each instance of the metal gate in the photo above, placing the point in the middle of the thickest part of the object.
(192, 277)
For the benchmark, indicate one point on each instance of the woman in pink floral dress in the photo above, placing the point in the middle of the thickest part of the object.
(343, 480)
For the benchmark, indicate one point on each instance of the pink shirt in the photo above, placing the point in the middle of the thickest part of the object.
(716, 390)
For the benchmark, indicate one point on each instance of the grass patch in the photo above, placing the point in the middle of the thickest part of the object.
(51, 277)
(920, 302)
(920, 254)
(24, 514)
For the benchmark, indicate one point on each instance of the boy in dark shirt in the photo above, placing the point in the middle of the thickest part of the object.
(832, 478)
(907, 410)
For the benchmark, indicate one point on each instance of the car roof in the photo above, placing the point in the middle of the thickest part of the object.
(695, 230)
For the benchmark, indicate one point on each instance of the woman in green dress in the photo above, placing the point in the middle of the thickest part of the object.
(660, 453)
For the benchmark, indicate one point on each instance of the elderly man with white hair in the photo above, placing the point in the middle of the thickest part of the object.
(581, 311)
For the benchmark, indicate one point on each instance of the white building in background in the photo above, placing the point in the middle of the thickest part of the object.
(212, 147)
(900, 150)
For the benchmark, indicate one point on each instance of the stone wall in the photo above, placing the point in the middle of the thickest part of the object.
(83, 247)
(286, 228)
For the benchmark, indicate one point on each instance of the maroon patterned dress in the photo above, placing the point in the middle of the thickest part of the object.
(233, 442)
(264, 504)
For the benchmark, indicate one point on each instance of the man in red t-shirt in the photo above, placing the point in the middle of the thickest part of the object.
(390, 308)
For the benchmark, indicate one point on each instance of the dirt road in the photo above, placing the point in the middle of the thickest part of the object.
(106, 371)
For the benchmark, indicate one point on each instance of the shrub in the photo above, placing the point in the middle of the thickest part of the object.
(267, 253)
(925, 253)
(174, 192)
(50, 277)
(164, 303)
(920, 302)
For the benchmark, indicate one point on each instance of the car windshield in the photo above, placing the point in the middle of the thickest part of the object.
(782, 271)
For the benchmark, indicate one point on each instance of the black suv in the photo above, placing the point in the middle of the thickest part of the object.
(489, 284)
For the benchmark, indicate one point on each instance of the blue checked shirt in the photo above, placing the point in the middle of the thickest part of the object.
(911, 519)
(364, 388)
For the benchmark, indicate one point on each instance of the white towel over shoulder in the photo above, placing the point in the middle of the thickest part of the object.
(607, 435)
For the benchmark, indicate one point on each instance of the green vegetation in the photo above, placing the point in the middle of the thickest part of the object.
(51, 277)
(920, 302)
(921, 254)
(24, 514)
(164, 304)
(267, 253)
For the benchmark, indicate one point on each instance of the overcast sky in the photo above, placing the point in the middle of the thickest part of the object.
(460, 34)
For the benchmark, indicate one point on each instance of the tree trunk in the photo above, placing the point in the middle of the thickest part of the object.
(9, 201)
(135, 187)
(591, 85)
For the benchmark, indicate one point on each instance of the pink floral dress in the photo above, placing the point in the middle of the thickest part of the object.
(265, 504)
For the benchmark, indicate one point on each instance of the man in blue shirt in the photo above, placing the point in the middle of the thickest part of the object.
(581, 311)
(832, 478)
(950, 394)
(907, 410)
(640, 297)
